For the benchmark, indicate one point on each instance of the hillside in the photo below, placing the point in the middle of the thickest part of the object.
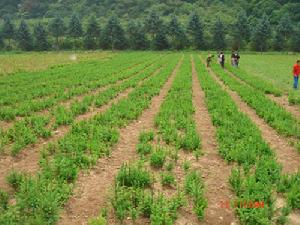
(150, 24)
(127, 9)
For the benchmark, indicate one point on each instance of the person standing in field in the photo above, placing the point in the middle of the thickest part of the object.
(222, 59)
(233, 59)
(209, 59)
(237, 59)
(296, 73)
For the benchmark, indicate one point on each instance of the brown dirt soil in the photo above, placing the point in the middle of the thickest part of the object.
(214, 169)
(287, 155)
(28, 159)
(280, 100)
(91, 190)
(294, 218)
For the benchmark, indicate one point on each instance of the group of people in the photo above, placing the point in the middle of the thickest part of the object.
(235, 58)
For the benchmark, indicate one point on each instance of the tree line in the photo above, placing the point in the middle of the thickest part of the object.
(151, 33)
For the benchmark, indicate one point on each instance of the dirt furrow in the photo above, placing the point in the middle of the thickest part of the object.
(287, 155)
(28, 159)
(280, 100)
(91, 190)
(214, 169)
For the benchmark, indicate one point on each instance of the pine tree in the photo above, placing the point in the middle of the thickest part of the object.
(261, 34)
(241, 30)
(219, 35)
(40, 38)
(8, 30)
(284, 29)
(1, 41)
(177, 34)
(278, 41)
(136, 36)
(24, 37)
(75, 28)
(153, 25)
(57, 29)
(92, 33)
(160, 41)
(285, 26)
(295, 40)
(195, 30)
(113, 36)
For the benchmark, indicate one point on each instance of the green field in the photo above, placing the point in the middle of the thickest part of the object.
(148, 138)
(275, 68)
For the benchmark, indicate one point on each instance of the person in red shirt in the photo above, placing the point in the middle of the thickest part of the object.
(296, 73)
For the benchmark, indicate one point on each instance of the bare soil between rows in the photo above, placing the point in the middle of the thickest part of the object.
(91, 190)
(215, 171)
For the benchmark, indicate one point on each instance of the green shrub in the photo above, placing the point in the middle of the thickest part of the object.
(193, 186)
(146, 136)
(133, 176)
(158, 157)
(15, 179)
(186, 165)
(168, 179)
(144, 148)
(3, 200)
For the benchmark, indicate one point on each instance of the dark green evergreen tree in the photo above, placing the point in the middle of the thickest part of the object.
(57, 29)
(160, 41)
(1, 41)
(153, 25)
(113, 36)
(219, 35)
(240, 30)
(285, 26)
(75, 28)
(8, 30)
(24, 37)
(136, 36)
(278, 41)
(92, 33)
(261, 34)
(40, 38)
(195, 30)
(177, 35)
(284, 29)
(295, 40)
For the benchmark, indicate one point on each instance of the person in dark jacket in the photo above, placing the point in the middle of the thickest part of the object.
(222, 59)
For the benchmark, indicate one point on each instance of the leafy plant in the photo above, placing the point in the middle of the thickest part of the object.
(15, 179)
(3, 200)
(168, 179)
(146, 136)
(144, 148)
(186, 166)
(194, 187)
(158, 157)
(133, 176)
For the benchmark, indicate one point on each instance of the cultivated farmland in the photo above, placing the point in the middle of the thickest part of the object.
(148, 138)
